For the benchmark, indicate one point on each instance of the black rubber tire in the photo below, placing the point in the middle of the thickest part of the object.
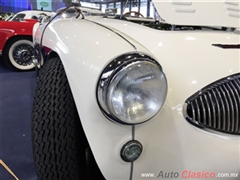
(8, 52)
(59, 142)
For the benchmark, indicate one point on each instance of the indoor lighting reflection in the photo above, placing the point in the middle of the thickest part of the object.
(62, 47)
(190, 38)
(178, 108)
(194, 82)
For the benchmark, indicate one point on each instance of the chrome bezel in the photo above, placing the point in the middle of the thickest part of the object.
(128, 145)
(111, 70)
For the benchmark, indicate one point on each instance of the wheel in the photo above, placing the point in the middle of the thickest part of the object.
(18, 54)
(60, 148)
(136, 14)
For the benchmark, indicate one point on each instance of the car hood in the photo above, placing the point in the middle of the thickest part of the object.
(201, 54)
(200, 13)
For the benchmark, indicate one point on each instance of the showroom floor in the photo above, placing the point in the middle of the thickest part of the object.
(16, 96)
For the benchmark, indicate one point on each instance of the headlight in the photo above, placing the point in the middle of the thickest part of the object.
(132, 89)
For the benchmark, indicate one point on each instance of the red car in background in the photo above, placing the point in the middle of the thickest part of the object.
(16, 45)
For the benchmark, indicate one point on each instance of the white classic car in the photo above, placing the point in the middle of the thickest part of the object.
(144, 99)
(30, 14)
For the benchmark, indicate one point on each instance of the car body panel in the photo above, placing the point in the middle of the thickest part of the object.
(211, 61)
(199, 13)
(9, 29)
(107, 134)
(186, 74)
(190, 62)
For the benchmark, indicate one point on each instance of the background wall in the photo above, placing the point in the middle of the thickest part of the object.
(19, 5)
(145, 7)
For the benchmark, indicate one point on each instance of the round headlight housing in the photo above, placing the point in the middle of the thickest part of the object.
(132, 89)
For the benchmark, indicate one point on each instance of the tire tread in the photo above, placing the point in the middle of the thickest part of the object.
(58, 139)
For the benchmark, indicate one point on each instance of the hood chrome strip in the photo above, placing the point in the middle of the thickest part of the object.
(114, 32)
(227, 46)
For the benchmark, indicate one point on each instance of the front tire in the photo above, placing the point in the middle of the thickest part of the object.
(59, 142)
(18, 53)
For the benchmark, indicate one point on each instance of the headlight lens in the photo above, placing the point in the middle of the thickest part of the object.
(132, 89)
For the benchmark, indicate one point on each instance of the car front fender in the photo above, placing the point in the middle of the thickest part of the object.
(85, 48)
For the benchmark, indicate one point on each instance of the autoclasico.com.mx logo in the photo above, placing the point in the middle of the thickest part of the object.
(187, 174)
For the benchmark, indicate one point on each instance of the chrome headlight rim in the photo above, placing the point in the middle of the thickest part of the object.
(111, 71)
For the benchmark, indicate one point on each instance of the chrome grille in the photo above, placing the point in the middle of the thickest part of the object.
(216, 106)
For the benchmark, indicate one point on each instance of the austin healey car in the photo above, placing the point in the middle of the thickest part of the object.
(127, 97)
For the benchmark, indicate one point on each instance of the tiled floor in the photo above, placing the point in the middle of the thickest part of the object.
(16, 96)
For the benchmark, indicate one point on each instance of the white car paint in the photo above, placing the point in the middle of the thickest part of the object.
(190, 63)
(170, 143)
(195, 12)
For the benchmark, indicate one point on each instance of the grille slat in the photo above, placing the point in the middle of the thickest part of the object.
(216, 106)
(238, 97)
(213, 110)
(203, 111)
(198, 110)
(237, 103)
(223, 124)
(218, 110)
(228, 103)
(233, 104)
(209, 117)
(193, 111)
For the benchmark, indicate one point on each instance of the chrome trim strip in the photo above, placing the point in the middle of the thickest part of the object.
(132, 163)
(0, 53)
(228, 46)
(114, 32)
(184, 110)
(133, 132)
(131, 170)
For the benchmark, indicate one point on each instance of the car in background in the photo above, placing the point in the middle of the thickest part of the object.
(146, 99)
(16, 44)
(5, 16)
(30, 14)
